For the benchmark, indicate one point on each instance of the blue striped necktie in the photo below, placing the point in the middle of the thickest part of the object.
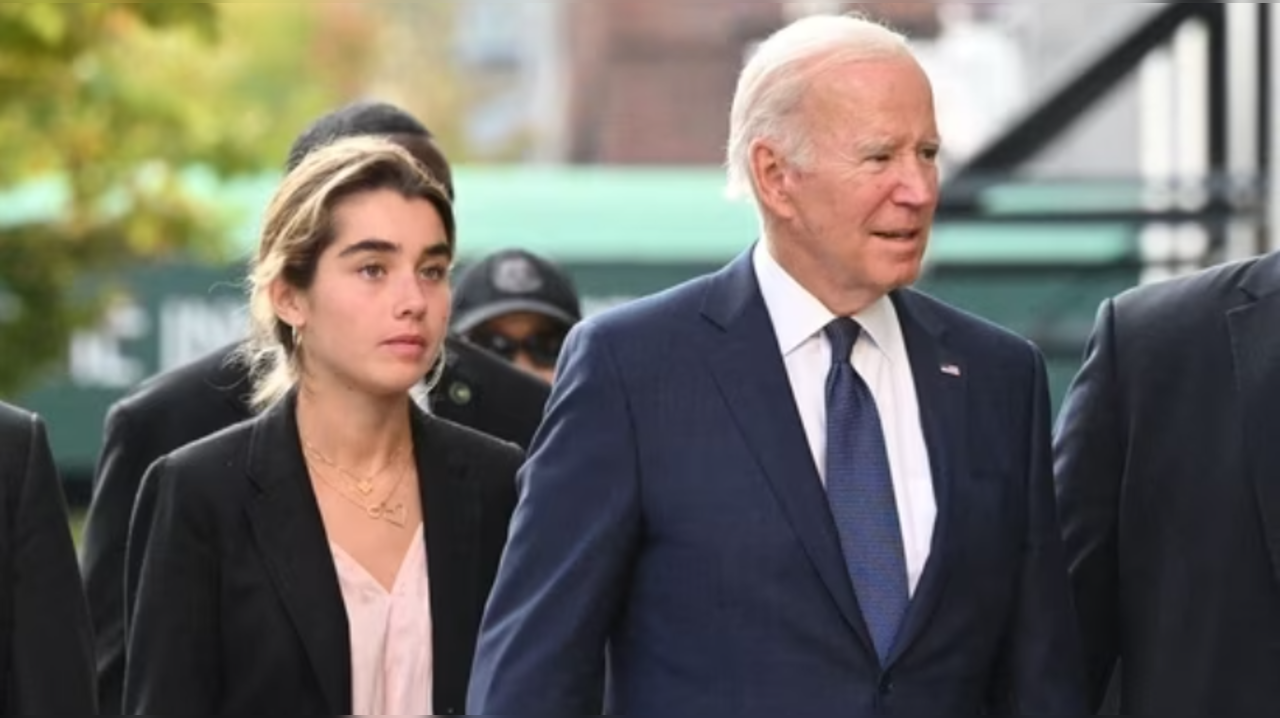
(860, 492)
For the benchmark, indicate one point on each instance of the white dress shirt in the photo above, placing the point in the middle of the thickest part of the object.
(880, 358)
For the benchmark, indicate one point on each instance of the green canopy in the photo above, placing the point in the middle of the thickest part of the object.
(650, 214)
(645, 215)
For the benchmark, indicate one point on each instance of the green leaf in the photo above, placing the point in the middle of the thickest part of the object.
(199, 16)
(45, 22)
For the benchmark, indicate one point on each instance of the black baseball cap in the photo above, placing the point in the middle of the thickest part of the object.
(513, 280)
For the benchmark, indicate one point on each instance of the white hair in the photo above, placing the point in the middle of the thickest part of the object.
(776, 76)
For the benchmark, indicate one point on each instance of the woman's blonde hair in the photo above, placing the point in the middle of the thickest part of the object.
(299, 226)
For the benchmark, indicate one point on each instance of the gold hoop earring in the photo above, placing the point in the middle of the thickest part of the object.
(296, 337)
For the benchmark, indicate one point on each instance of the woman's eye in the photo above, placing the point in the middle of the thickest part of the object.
(372, 271)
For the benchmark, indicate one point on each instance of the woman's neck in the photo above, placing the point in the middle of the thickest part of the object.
(353, 430)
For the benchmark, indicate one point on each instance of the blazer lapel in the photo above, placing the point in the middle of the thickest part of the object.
(751, 375)
(1254, 328)
(290, 535)
(451, 508)
(941, 389)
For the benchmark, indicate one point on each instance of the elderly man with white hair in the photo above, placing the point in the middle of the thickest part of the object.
(794, 486)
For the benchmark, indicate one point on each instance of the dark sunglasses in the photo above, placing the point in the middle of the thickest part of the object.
(542, 349)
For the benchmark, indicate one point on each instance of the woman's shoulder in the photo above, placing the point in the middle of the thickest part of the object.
(210, 464)
(231, 441)
(473, 447)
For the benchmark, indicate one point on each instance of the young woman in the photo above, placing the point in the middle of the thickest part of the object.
(333, 555)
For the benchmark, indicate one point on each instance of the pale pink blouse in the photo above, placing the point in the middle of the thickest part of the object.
(391, 661)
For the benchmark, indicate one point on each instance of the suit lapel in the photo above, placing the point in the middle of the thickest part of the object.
(290, 536)
(751, 375)
(451, 508)
(941, 397)
(1255, 347)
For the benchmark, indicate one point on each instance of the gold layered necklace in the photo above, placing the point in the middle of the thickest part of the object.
(357, 490)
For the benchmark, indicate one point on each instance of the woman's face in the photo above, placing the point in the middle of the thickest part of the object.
(376, 314)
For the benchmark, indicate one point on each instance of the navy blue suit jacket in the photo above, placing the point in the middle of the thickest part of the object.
(670, 512)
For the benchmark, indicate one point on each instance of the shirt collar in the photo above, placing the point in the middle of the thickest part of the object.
(798, 316)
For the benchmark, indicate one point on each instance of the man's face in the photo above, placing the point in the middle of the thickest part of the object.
(853, 222)
(528, 340)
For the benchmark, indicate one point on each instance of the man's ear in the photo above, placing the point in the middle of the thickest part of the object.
(289, 303)
(772, 178)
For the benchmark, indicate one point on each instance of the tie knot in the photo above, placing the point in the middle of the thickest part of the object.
(843, 333)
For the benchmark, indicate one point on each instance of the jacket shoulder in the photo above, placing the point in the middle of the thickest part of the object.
(1179, 299)
(967, 330)
(15, 421)
(475, 445)
(211, 462)
(218, 375)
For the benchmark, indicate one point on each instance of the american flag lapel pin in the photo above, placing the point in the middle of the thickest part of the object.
(950, 369)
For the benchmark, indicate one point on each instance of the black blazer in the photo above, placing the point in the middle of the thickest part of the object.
(172, 409)
(1168, 465)
(239, 610)
(46, 654)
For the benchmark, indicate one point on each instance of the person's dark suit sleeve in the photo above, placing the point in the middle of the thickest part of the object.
(1089, 465)
(52, 649)
(173, 628)
(126, 453)
(573, 536)
(1042, 665)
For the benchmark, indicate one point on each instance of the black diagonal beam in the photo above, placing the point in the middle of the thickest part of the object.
(1045, 121)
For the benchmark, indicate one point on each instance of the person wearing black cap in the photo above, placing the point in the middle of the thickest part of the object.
(519, 306)
(195, 400)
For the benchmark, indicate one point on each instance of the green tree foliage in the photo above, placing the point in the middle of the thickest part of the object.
(417, 69)
(110, 112)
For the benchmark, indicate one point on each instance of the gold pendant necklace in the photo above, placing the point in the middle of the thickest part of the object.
(396, 514)
(363, 484)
